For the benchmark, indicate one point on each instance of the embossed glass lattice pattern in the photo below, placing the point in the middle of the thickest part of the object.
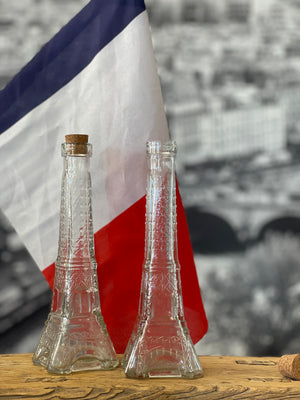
(160, 345)
(75, 336)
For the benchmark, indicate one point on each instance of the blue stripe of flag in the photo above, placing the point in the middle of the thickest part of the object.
(65, 55)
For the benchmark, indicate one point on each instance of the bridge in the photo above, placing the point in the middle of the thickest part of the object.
(238, 218)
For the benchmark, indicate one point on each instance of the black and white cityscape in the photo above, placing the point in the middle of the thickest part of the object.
(230, 77)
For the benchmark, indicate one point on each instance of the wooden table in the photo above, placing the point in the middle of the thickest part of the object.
(224, 378)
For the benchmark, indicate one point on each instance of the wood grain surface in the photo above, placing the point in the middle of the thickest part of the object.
(236, 378)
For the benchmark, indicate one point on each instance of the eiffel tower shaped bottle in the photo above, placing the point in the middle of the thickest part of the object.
(75, 336)
(160, 344)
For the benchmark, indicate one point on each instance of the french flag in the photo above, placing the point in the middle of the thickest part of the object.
(97, 76)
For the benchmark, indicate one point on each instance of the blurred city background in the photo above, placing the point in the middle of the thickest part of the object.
(230, 75)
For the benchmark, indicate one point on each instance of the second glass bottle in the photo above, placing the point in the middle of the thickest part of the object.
(160, 345)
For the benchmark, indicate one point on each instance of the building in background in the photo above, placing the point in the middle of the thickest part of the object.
(227, 134)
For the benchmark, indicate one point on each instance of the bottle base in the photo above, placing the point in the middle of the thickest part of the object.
(164, 364)
(73, 345)
(161, 349)
(163, 375)
(82, 364)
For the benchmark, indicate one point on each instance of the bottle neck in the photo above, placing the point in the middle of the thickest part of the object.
(161, 230)
(76, 227)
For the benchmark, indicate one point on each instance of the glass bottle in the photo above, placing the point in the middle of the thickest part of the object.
(160, 345)
(75, 336)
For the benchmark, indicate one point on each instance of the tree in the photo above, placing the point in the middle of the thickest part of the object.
(257, 302)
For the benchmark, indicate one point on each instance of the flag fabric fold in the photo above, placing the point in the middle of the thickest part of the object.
(96, 76)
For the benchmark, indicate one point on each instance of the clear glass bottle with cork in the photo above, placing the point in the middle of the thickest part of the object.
(75, 337)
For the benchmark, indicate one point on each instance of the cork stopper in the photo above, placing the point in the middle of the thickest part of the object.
(77, 139)
(77, 144)
(289, 366)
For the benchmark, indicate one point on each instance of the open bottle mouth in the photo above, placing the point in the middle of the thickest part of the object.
(158, 147)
